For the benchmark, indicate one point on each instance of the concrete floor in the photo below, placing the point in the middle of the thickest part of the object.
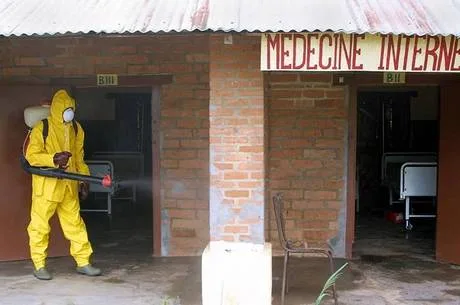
(143, 280)
(389, 268)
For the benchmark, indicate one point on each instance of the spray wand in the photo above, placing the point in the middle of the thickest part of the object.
(105, 181)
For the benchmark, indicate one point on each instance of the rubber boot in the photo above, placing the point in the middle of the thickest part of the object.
(89, 270)
(42, 274)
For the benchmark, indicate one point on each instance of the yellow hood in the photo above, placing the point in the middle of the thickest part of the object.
(61, 101)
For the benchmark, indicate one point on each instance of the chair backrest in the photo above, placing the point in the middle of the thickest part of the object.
(278, 207)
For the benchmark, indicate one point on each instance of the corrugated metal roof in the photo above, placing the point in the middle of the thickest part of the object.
(51, 17)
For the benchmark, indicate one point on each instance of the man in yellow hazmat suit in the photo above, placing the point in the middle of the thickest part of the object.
(62, 148)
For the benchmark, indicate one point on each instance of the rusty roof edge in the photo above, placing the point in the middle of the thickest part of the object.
(217, 31)
(26, 18)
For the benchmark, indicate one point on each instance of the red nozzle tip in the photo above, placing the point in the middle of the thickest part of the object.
(107, 181)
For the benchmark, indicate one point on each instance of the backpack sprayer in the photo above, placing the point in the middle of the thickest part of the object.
(32, 116)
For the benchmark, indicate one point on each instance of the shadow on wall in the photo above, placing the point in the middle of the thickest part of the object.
(15, 184)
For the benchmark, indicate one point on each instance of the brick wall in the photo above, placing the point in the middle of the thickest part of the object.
(184, 111)
(237, 153)
(307, 141)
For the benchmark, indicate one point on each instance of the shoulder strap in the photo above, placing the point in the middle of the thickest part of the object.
(45, 130)
(75, 126)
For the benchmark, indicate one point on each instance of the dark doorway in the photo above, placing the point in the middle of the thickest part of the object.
(118, 131)
(395, 127)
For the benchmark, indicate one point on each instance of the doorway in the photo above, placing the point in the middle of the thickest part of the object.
(397, 136)
(118, 133)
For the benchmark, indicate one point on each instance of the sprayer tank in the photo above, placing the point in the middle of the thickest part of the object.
(34, 114)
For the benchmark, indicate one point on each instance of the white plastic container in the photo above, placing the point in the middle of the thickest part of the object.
(34, 114)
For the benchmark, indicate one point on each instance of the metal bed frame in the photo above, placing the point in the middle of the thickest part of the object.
(417, 179)
(390, 170)
(101, 168)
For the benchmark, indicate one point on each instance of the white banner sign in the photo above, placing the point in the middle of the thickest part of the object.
(359, 52)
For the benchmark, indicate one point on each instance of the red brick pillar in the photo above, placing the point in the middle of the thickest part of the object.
(236, 141)
(237, 175)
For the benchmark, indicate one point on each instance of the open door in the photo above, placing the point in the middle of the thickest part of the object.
(15, 184)
(447, 239)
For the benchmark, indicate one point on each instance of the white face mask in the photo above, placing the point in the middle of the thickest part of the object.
(68, 115)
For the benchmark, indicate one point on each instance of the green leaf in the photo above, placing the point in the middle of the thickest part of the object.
(329, 283)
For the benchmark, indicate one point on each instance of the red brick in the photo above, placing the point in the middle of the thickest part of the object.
(286, 94)
(283, 77)
(251, 112)
(256, 175)
(319, 154)
(333, 184)
(337, 164)
(180, 173)
(188, 78)
(203, 215)
(169, 203)
(30, 61)
(250, 166)
(333, 133)
(203, 58)
(223, 166)
(293, 214)
(123, 50)
(236, 229)
(335, 93)
(194, 143)
(326, 214)
(308, 184)
(316, 235)
(334, 204)
(180, 213)
(143, 69)
(314, 224)
(175, 67)
(286, 153)
(188, 123)
(235, 140)
(307, 205)
(180, 154)
(171, 144)
(279, 184)
(301, 148)
(313, 93)
(237, 194)
(329, 103)
(16, 71)
(183, 194)
(320, 195)
(329, 143)
(250, 184)
(183, 232)
(169, 163)
(306, 164)
(251, 149)
(293, 194)
(186, 223)
(316, 77)
(193, 164)
(178, 133)
(295, 143)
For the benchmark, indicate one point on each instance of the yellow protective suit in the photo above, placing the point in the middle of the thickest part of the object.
(51, 194)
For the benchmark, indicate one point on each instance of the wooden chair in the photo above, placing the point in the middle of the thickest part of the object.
(290, 246)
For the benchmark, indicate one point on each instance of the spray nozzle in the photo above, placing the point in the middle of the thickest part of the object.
(107, 181)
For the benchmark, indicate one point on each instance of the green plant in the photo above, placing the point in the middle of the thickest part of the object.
(165, 301)
(330, 281)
